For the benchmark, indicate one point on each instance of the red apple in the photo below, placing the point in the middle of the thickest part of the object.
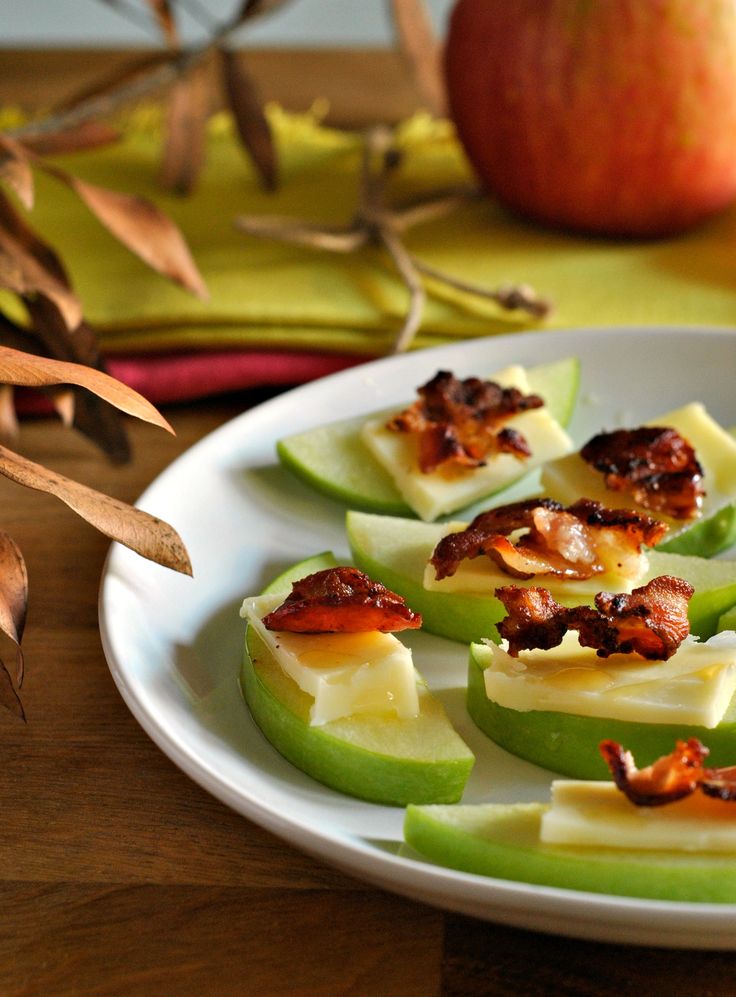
(608, 116)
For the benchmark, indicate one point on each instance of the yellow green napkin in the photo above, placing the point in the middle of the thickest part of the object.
(267, 294)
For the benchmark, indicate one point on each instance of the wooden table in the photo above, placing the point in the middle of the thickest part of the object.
(121, 876)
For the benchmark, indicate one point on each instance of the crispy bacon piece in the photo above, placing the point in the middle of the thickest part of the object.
(651, 621)
(461, 422)
(654, 464)
(671, 777)
(473, 541)
(341, 600)
(720, 783)
(577, 542)
(668, 779)
(534, 618)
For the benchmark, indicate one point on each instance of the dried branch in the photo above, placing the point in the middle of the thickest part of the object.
(377, 223)
(512, 297)
(145, 534)
(162, 70)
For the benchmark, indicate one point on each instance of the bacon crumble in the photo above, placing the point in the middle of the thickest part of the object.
(460, 422)
(670, 778)
(651, 621)
(574, 542)
(655, 464)
(341, 600)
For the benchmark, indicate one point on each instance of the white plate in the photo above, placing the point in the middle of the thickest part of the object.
(174, 644)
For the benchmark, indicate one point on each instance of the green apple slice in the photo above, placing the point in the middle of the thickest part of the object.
(727, 621)
(334, 460)
(568, 743)
(395, 551)
(381, 759)
(503, 841)
(569, 477)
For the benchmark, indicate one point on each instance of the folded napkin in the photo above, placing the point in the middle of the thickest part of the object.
(280, 314)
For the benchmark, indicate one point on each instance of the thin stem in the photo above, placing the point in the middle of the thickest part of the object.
(431, 209)
(103, 104)
(337, 240)
(417, 294)
(519, 297)
(131, 13)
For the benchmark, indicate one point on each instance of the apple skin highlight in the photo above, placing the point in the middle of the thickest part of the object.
(615, 118)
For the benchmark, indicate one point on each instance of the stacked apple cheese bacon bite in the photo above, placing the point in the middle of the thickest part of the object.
(337, 693)
(460, 441)
(666, 831)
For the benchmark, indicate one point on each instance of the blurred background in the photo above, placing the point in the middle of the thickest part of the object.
(122, 23)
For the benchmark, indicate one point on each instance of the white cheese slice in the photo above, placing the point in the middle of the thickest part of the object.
(599, 815)
(450, 488)
(694, 686)
(482, 576)
(346, 674)
(569, 477)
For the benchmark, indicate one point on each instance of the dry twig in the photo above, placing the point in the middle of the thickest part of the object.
(378, 223)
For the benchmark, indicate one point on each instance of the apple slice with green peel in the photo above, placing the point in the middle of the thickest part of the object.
(503, 841)
(714, 530)
(727, 621)
(568, 743)
(334, 460)
(377, 758)
(395, 551)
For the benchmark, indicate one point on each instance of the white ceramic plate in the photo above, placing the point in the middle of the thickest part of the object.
(174, 644)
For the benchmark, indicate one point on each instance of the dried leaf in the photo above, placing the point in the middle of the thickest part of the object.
(140, 226)
(78, 138)
(64, 402)
(254, 8)
(164, 17)
(23, 274)
(31, 242)
(8, 419)
(8, 696)
(14, 336)
(102, 424)
(13, 595)
(36, 372)
(250, 120)
(422, 51)
(143, 533)
(186, 128)
(15, 170)
(93, 417)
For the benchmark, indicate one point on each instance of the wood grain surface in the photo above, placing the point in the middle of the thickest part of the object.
(119, 875)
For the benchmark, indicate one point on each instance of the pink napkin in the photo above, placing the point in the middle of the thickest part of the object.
(182, 377)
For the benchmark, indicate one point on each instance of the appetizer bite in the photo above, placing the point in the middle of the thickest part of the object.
(680, 468)
(464, 440)
(626, 667)
(366, 465)
(337, 694)
(450, 572)
(667, 831)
